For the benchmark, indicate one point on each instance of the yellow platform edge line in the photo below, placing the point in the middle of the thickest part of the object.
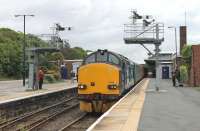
(134, 117)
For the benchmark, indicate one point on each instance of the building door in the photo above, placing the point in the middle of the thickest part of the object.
(165, 72)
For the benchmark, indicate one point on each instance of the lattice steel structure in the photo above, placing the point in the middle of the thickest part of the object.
(145, 32)
(139, 33)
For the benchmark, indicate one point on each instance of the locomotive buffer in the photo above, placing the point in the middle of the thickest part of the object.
(143, 30)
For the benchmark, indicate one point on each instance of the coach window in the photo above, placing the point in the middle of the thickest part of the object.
(113, 59)
(90, 59)
(102, 56)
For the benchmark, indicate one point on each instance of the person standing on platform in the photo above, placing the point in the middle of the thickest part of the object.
(62, 71)
(177, 73)
(40, 77)
(72, 76)
(174, 78)
(65, 72)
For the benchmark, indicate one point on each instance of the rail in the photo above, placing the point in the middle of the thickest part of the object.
(12, 122)
(73, 122)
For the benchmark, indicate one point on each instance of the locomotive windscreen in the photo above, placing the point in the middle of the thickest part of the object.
(90, 59)
(102, 56)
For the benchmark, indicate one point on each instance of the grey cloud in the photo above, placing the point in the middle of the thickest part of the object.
(99, 24)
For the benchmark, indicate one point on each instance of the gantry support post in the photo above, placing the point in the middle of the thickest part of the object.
(138, 33)
(157, 50)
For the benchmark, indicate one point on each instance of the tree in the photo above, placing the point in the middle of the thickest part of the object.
(55, 56)
(187, 58)
(187, 53)
(11, 51)
(183, 73)
(73, 53)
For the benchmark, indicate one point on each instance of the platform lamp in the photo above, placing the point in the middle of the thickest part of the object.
(173, 27)
(24, 45)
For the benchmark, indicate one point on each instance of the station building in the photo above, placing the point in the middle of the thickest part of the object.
(165, 65)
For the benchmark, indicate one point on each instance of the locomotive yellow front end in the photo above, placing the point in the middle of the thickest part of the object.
(98, 86)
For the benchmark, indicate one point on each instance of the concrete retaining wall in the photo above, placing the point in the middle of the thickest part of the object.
(19, 107)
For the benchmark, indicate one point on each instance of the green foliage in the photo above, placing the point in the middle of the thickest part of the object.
(183, 73)
(56, 75)
(55, 56)
(49, 78)
(11, 54)
(34, 41)
(187, 55)
(73, 53)
(187, 58)
(187, 51)
(11, 43)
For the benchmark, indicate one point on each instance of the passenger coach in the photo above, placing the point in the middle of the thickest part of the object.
(103, 78)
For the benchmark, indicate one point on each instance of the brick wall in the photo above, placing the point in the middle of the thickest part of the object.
(195, 66)
(183, 36)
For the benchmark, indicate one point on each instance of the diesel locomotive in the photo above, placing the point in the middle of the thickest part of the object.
(103, 78)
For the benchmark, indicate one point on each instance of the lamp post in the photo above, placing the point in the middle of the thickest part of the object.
(173, 27)
(24, 46)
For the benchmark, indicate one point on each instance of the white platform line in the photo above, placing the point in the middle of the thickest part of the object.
(33, 95)
(107, 112)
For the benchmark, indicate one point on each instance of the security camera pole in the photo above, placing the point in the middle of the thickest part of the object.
(24, 46)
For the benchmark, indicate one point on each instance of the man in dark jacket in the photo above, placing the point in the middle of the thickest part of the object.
(174, 78)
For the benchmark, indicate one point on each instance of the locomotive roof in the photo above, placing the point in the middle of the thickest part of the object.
(121, 57)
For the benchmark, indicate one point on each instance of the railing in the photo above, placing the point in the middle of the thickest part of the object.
(139, 32)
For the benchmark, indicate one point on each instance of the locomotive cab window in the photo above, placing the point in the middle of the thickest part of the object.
(113, 59)
(102, 56)
(90, 59)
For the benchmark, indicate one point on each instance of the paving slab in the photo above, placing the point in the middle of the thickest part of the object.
(176, 109)
(123, 115)
(11, 90)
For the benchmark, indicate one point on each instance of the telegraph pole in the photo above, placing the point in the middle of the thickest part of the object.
(24, 47)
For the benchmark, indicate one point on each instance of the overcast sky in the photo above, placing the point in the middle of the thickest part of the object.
(99, 23)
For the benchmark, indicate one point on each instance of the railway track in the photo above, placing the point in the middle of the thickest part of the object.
(44, 124)
(34, 119)
(81, 123)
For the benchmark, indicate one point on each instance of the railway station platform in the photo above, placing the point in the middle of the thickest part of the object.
(13, 90)
(143, 109)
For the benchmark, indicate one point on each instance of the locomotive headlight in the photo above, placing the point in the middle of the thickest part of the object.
(112, 86)
(81, 86)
